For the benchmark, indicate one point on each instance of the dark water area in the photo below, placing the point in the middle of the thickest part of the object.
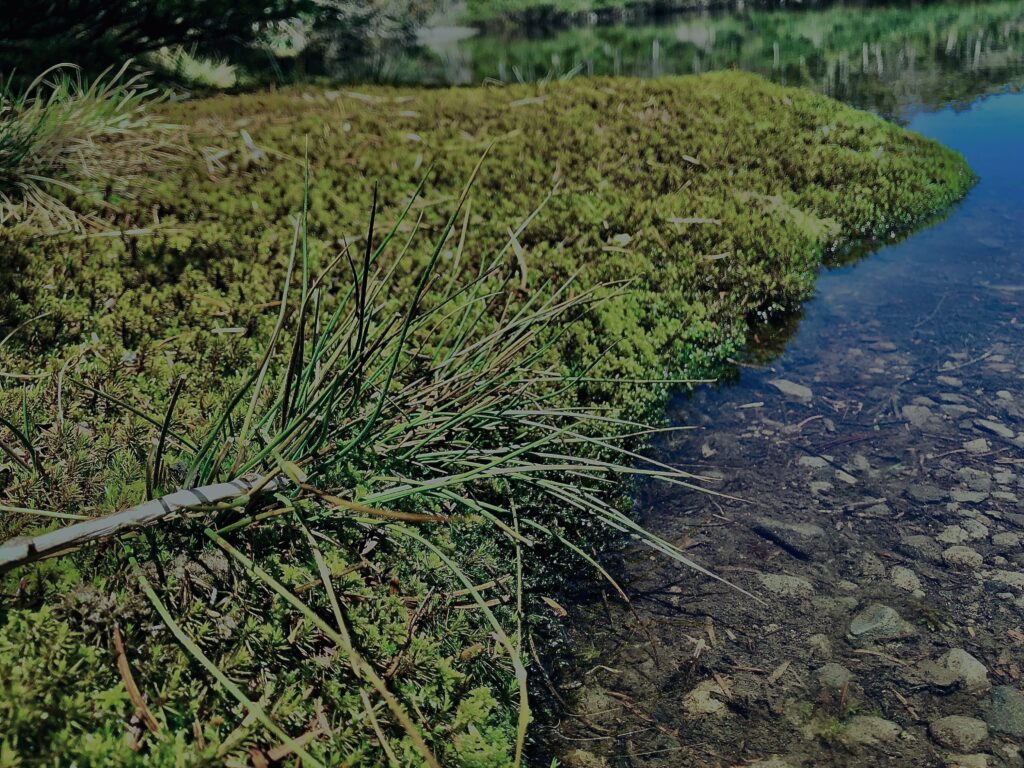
(892, 58)
(870, 461)
(966, 272)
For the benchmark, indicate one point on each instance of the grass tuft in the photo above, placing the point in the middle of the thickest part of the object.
(425, 414)
(64, 141)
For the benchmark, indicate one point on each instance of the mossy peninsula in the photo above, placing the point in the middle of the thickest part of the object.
(691, 207)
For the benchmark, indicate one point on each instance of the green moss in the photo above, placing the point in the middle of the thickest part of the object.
(716, 197)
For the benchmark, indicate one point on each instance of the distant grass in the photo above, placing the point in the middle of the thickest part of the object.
(64, 141)
(188, 67)
(714, 197)
(966, 50)
(491, 12)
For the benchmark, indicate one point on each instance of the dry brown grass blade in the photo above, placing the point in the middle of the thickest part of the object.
(125, 670)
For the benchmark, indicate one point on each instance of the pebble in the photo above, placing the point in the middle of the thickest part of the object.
(813, 462)
(975, 529)
(979, 760)
(956, 667)
(833, 676)
(953, 534)
(962, 557)
(770, 762)
(791, 388)
(786, 586)
(700, 701)
(994, 427)
(1012, 579)
(1004, 711)
(871, 731)
(905, 579)
(980, 445)
(879, 622)
(1006, 539)
(921, 547)
(958, 732)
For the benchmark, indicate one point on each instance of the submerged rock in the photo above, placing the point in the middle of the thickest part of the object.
(925, 493)
(975, 529)
(791, 388)
(773, 762)
(871, 731)
(994, 427)
(879, 622)
(701, 700)
(921, 547)
(979, 760)
(770, 762)
(953, 534)
(1003, 710)
(580, 758)
(833, 676)
(975, 479)
(813, 462)
(919, 415)
(786, 586)
(1007, 540)
(1012, 579)
(962, 557)
(955, 668)
(905, 579)
(958, 732)
(820, 646)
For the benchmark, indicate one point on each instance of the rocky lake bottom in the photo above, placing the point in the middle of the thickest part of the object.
(871, 481)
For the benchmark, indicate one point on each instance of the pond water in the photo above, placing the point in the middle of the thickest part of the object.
(869, 453)
(871, 450)
(891, 58)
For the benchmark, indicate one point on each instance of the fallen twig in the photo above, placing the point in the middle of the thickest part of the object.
(24, 550)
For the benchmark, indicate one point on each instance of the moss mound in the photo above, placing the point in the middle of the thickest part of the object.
(715, 197)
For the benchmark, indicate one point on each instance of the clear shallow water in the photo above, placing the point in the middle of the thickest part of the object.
(872, 461)
(965, 274)
(891, 58)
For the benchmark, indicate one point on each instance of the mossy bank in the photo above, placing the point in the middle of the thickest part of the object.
(714, 198)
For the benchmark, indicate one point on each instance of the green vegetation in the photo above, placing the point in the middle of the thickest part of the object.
(62, 139)
(884, 58)
(516, 11)
(96, 34)
(463, 332)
